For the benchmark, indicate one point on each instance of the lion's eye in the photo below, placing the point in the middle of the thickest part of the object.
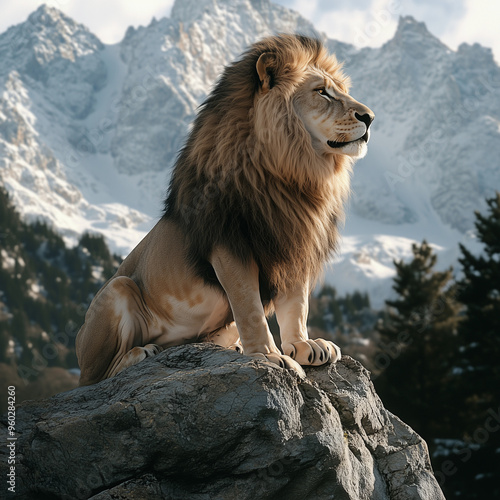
(322, 92)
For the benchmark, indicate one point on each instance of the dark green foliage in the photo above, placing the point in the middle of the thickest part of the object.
(45, 287)
(4, 341)
(19, 324)
(97, 248)
(419, 342)
(446, 385)
(96, 245)
(480, 291)
(478, 384)
(328, 311)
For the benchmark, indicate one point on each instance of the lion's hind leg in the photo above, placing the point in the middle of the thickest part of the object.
(115, 327)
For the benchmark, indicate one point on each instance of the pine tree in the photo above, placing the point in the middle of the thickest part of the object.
(418, 334)
(480, 291)
(479, 381)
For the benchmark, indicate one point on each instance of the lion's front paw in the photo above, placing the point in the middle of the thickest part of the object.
(281, 360)
(312, 352)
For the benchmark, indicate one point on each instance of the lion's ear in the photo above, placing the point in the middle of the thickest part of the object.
(265, 66)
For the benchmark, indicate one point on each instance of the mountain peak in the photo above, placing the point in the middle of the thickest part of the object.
(47, 35)
(49, 16)
(50, 23)
(411, 34)
(409, 23)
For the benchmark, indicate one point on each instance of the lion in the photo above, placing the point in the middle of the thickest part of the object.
(251, 217)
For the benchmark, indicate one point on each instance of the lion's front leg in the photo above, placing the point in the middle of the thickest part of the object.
(241, 283)
(291, 312)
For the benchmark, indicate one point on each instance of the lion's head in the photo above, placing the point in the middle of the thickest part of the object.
(336, 123)
(286, 100)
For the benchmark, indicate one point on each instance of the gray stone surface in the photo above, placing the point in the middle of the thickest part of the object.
(202, 422)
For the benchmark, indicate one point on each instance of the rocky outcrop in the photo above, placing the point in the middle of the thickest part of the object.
(202, 422)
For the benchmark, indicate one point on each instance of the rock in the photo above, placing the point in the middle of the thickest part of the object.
(202, 422)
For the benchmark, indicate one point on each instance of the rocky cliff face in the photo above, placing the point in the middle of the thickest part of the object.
(199, 422)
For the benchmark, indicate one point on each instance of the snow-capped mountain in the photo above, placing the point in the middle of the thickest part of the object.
(89, 132)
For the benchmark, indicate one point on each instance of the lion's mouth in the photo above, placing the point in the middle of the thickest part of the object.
(335, 144)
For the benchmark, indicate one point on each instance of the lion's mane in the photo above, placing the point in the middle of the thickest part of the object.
(248, 177)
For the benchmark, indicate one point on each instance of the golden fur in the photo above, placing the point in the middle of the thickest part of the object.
(252, 152)
(250, 218)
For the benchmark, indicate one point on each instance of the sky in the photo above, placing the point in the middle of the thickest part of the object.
(362, 23)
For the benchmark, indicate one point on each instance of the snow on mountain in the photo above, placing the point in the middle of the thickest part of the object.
(89, 132)
(435, 145)
(52, 73)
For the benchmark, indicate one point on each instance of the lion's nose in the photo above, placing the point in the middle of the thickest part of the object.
(367, 118)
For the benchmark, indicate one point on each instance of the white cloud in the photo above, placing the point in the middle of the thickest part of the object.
(362, 27)
(366, 23)
(14, 12)
(479, 23)
(108, 19)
